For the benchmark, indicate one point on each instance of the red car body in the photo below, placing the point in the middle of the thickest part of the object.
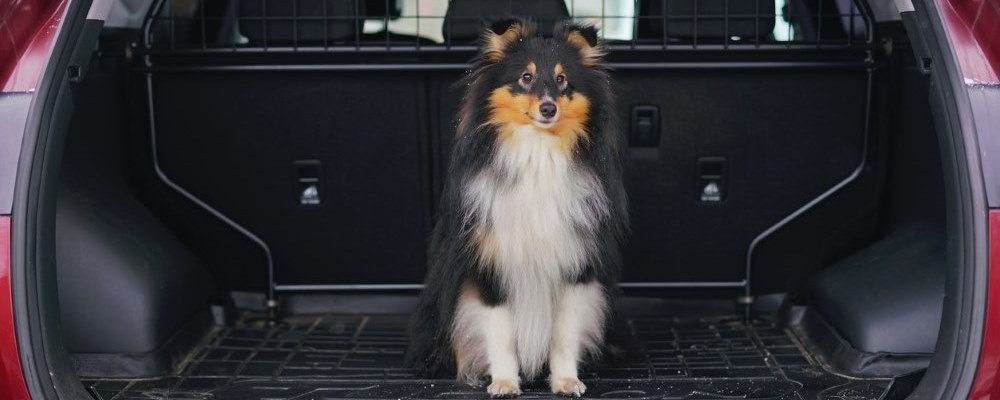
(11, 378)
(31, 27)
(28, 29)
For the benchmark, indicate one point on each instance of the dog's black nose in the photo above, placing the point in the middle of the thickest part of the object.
(547, 109)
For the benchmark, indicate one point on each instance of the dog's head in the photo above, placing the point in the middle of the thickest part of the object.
(550, 83)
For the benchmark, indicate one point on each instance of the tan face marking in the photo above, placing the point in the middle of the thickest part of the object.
(574, 112)
(509, 110)
(529, 76)
(560, 77)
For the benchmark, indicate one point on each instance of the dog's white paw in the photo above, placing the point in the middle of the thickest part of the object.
(568, 386)
(504, 388)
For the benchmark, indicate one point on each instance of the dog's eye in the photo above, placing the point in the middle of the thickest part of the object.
(526, 78)
(560, 79)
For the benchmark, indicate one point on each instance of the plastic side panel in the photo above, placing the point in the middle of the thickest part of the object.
(986, 385)
(11, 381)
(13, 113)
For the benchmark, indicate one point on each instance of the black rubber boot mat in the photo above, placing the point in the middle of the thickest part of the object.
(360, 357)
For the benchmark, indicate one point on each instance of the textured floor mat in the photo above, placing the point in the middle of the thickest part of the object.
(360, 357)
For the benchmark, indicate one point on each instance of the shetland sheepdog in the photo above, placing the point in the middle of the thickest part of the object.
(525, 252)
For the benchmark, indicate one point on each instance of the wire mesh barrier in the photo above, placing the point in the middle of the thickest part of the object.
(758, 66)
(443, 25)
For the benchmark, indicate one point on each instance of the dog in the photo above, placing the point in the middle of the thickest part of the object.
(525, 254)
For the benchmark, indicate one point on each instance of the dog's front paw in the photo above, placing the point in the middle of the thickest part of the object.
(568, 386)
(501, 387)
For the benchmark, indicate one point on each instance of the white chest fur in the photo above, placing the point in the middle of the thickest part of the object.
(538, 211)
(539, 208)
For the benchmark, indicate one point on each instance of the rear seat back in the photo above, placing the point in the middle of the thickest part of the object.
(299, 22)
(705, 20)
(465, 19)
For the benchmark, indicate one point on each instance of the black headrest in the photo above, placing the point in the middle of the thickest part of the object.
(466, 19)
(283, 22)
(746, 18)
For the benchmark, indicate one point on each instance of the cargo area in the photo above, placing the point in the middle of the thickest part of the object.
(248, 187)
(361, 356)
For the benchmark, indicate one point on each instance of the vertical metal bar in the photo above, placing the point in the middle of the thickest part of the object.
(295, 25)
(663, 21)
(695, 24)
(447, 30)
(574, 17)
(204, 39)
(604, 22)
(850, 7)
(357, 25)
(150, 22)
(173, 22)
(725, 24)
(635, 26)
(263, 21)
(756, 22)
(819, 23)
(385, 23)
(865, 12)
(419, 17)
(868, 107)
(235, 28)
(271, 302)
(326, 25)
(789, 17)
(572, 9)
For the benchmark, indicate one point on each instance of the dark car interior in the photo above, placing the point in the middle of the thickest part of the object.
(248, 188)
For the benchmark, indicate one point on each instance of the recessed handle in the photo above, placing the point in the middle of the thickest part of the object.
(308, 182)
(711, 179)
(645, 126)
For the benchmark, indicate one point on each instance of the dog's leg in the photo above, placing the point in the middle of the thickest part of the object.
(484, 339)
(501, 351)
(579, 328)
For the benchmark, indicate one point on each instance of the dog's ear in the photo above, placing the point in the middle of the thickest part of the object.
(501, 26)
(501, 34)
(585, 39)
